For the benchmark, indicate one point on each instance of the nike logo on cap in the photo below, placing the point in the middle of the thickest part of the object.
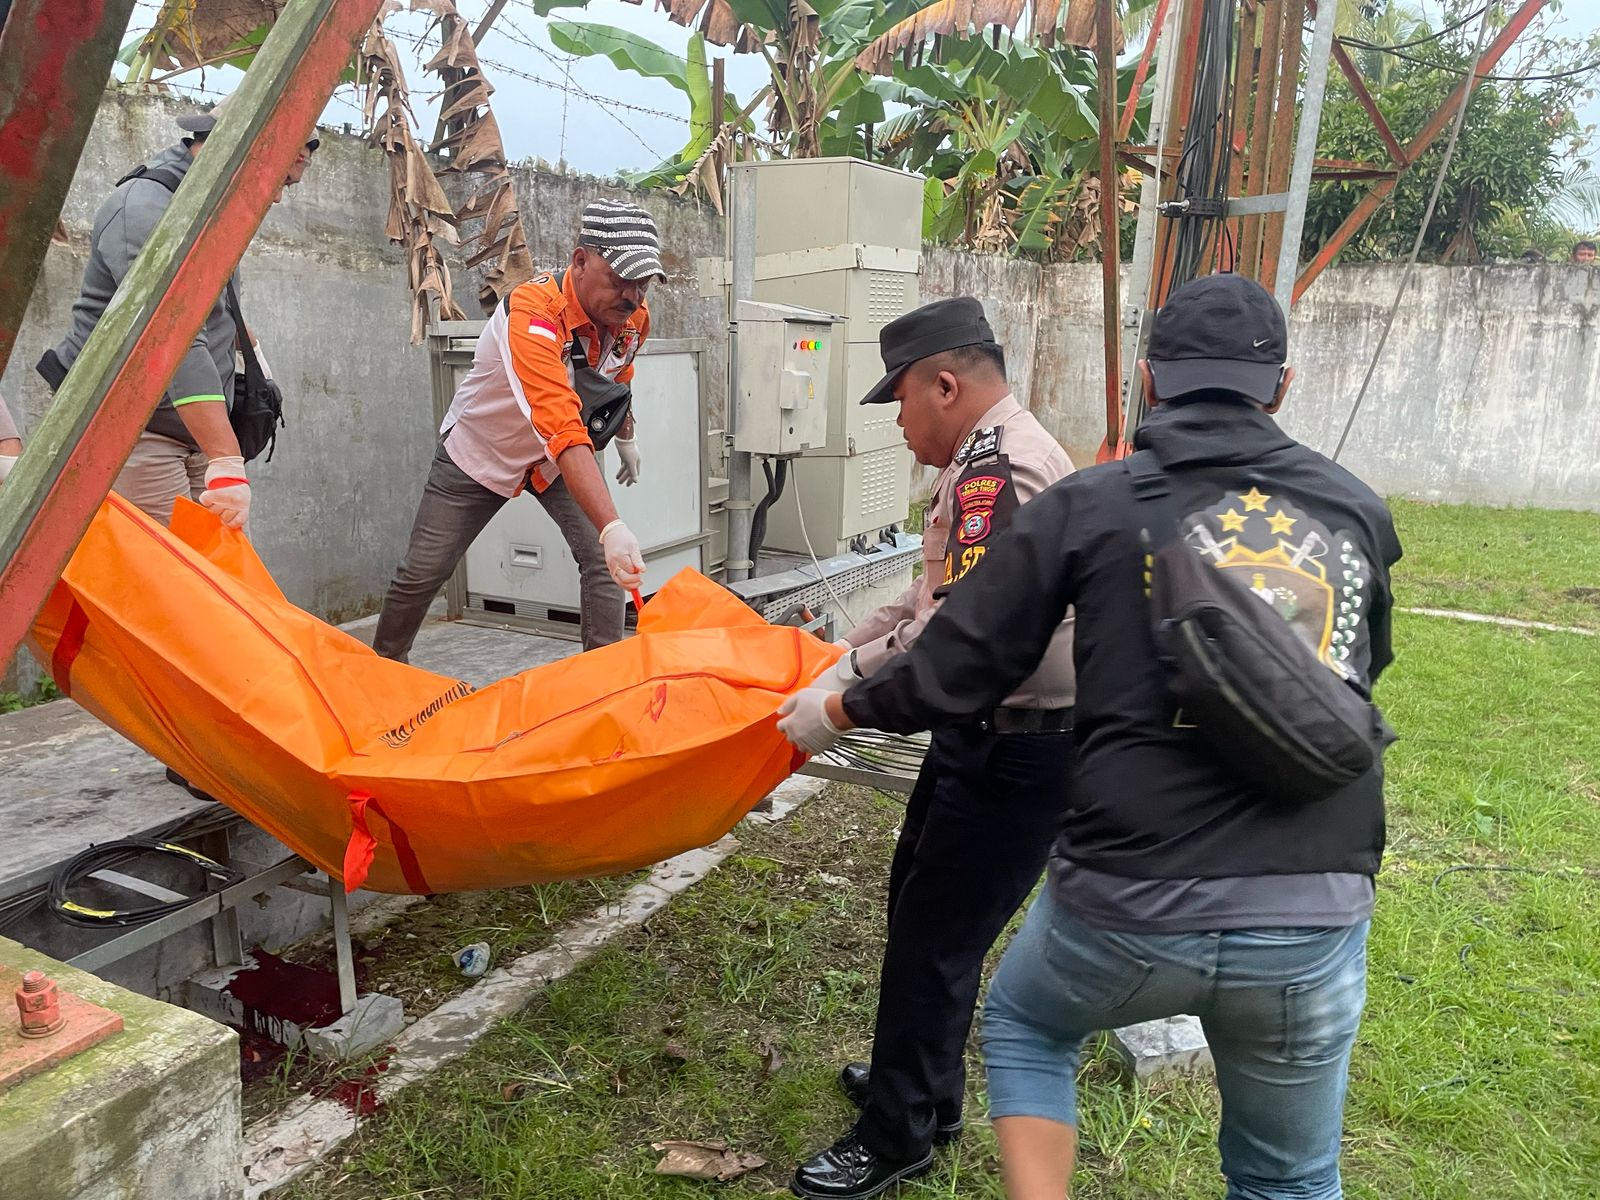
(1258, 344)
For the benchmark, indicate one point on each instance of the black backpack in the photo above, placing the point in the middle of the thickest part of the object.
(255, 410)
(1241, 675)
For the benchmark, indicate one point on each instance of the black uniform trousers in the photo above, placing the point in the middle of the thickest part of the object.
(978, 827)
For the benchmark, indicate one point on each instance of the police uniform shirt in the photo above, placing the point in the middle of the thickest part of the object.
(1006, 460)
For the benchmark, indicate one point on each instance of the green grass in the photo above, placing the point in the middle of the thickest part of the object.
(47, 691)
(1477, 1073)
(1531, 563)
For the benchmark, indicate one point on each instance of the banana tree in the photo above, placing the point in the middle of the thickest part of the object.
(690, 74)
(1007, 138)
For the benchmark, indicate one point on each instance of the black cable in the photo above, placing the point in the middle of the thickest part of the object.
(1431, 37)
(1451, 69)
(95, 858)
(758, 520)
(14, 908)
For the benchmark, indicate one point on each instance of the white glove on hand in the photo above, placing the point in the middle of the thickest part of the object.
(805, 721)
(624, 559)
(628, 451)
(227, 490)
(840, 676)
(7, 461)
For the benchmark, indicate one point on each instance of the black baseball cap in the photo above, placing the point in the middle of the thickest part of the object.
(1222, 332)
(926, 331)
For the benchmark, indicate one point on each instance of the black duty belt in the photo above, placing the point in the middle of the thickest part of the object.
(1026, 720)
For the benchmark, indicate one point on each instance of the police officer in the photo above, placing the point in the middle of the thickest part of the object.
(1176, 885)
(992, 787)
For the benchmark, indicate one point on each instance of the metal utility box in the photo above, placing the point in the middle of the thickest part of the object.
(845, 236)
(519, 572)
(784, 374)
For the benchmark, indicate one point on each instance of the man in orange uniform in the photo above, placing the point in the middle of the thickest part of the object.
(516, 424)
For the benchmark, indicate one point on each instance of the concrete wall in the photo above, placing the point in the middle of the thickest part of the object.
(1485, 394)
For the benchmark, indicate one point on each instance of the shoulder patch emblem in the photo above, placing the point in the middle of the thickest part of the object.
(980, 444)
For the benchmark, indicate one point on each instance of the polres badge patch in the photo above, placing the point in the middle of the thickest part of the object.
(976, 497)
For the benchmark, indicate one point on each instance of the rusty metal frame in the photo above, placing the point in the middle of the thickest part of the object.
(108, 395)
(1413, 149)
(1368, 105)
(1142, 71)
(55, 56)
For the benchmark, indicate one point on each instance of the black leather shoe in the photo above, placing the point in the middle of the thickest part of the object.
(853, 1079)
(847, 1170)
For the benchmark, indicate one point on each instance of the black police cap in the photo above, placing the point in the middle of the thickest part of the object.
(926, 331)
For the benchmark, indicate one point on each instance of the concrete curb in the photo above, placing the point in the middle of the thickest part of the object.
(288, 1144)
(1504, 622)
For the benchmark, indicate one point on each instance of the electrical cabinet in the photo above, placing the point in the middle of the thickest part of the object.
(843, 236)
(784, 376)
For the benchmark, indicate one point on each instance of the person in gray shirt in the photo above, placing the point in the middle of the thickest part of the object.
(188, 447)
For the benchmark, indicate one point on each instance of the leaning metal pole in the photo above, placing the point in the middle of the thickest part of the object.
(1110, 213)
(742, 253)
(127, 362)
(1305, 153)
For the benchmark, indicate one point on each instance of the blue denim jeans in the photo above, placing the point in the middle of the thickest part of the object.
(1280, 1009)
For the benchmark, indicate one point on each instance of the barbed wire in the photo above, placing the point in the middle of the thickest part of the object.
(606, 104)
(610, 105)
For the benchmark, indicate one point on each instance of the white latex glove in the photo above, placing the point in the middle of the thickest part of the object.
(628, 451)
(7, 461)
(624, 559)
(804, 721)
(227, 490)
(840, 676)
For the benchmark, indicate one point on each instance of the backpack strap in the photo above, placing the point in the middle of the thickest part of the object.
(166, 178)
(1152, 487)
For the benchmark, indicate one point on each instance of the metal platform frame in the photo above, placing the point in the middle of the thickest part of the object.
(218, 907)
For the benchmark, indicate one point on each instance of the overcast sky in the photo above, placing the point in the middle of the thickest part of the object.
(598, 119)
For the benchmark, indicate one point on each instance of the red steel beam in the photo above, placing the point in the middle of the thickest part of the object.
(107, 397)
(1142, 70)
(1261, 128)
(55, 56)
(1370, 106)
(1227, 258)
(1424, 138)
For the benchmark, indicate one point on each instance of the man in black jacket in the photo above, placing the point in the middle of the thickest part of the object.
(1174, 887)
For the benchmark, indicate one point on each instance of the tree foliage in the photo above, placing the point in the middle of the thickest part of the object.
(1518, 169)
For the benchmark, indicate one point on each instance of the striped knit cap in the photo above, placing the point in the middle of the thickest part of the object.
(625, 235)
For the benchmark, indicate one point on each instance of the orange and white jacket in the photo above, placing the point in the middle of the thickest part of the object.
(516, 410)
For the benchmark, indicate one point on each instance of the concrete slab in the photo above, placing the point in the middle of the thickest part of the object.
(1176, 1045)
(151, 1111)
